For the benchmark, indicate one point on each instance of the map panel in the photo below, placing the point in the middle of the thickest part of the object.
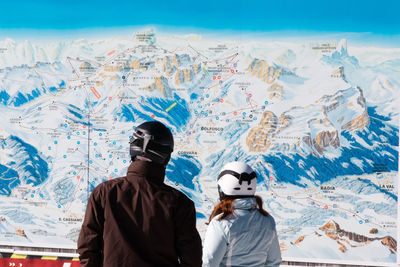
(318, 122)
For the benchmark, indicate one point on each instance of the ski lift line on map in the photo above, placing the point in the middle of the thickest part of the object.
(81, 60)
(41, 78)
(215, 85)
(110, 59)
(23, 82)
(18, 81)
(325, 206)
(228, 113)
(198, 53)
(127, 50)
(77, 188)
(60, 129)
(174, 51)
(249, 96)
(37, 128)
(72, 66)
(92, 62)
(48, 73)
(231, 57)
(322, 204)
(229, 63)
(97, 164)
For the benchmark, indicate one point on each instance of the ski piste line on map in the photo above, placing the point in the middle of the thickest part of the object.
(216, 60)
(77, 72)
(58, 129)
(318, 203)
(110, 59)
(115, 56)
(38, 75)
(220, 100)
(51, 74)
(130, 49)
(77, 175)
(128, 73)
(224, 59)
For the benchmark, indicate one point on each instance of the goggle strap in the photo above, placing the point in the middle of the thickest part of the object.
(244, 176)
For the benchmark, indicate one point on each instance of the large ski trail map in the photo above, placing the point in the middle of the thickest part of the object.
(317, 121)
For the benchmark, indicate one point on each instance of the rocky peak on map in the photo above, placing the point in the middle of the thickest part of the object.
(346, 241)
(346, 109)
(181, 67)
(160, 84)
(317, 126)
(187, 75)
(333, 230)
(287, 57)
(325, 136)
(177, 60)
(263, 70)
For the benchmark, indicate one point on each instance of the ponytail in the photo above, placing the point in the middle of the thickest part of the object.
(260, 205)
(225, 206)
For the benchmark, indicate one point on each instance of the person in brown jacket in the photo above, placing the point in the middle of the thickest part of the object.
(137, 220)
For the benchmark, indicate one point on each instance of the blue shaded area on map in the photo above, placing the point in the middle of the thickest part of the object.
(286, 168)
(175, 111)
(9, 179)
(27, 166)
(200, 215)
(183, 170)
(23, 98)
(77, 112)
(4, 97)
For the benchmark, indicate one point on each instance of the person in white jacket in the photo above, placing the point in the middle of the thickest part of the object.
(240, 232)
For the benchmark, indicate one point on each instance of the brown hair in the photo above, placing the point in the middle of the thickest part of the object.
(225, 206)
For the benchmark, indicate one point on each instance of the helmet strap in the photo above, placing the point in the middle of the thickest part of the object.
(240, 176)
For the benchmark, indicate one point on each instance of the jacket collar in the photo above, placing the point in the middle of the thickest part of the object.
(247, 203)
(152, 171)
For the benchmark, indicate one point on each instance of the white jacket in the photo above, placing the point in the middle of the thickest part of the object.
(246, 239)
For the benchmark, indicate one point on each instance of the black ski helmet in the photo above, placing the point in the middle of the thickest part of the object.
(152, 140)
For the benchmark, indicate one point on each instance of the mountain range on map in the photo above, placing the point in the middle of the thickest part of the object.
(307, 117)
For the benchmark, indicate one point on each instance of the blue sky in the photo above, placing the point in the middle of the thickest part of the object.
(376, 18)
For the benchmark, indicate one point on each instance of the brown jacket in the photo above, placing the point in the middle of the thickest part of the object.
(137, 220)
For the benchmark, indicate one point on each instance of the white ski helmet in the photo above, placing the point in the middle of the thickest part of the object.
(237, 179)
